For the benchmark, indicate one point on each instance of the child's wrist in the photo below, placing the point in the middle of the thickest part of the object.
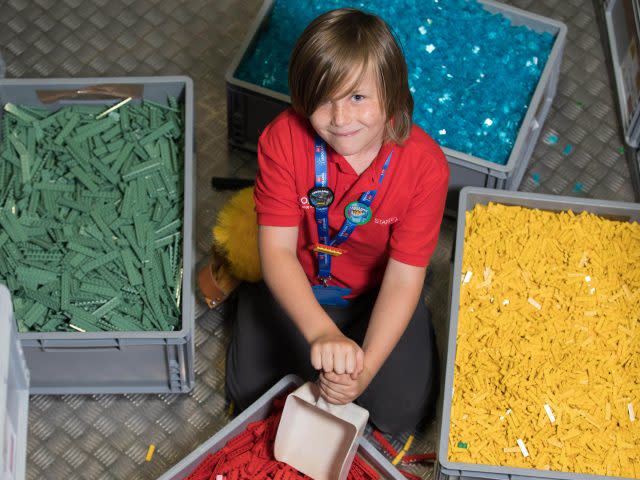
(329, 331)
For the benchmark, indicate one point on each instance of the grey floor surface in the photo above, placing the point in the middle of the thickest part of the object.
(106, 436)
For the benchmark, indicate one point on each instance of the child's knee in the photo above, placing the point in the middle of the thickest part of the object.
(398, 418)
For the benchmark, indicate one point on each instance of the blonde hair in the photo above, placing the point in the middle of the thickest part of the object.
(329, 49)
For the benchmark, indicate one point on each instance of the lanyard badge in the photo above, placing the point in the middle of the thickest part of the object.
(320, 197)
(356, 213)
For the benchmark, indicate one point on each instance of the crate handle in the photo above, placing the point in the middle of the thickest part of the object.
(76, 349)
(104, 91)
(535, 124)
(44, 347)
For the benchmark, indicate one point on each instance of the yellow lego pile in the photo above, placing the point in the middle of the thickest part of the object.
(547, 368)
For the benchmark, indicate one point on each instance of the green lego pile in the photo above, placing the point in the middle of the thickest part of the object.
(91, 205)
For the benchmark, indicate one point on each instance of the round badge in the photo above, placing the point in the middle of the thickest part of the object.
(320, 197)
(358, 213)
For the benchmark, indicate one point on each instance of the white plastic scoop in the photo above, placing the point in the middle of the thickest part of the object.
(318, 438)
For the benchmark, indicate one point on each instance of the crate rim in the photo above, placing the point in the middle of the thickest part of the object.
(46, 81)
(536, 98)
(507, 195)
(471, 469)
(12, 365)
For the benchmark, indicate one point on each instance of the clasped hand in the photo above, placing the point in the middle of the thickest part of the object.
(343, 376)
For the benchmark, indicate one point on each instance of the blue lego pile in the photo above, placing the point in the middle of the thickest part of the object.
(472, 73)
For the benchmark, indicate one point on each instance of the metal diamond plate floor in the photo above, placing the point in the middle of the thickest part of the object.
(106, 436)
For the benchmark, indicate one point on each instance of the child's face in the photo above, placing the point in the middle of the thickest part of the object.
(353, 123)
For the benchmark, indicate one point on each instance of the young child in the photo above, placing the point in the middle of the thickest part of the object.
(349, 199)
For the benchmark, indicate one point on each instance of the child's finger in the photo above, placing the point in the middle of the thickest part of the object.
(327, 360)
(316, 358)
(359, 361)
(350, 363)
(336, 379)
(332, 392)
(329, 396)
(339, 360)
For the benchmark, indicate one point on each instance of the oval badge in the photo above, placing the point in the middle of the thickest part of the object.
(320, 197)
(358, 213)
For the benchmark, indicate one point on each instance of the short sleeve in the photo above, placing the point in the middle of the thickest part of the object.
(415, 236)
(275, 193)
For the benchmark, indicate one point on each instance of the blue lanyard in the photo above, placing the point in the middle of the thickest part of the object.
(322, 213)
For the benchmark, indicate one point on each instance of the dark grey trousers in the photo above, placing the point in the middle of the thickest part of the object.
(266, 345)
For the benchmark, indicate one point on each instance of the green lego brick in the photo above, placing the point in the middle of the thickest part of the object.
(130, 266)
(35, 276)
(43, 298)
(54, 187)
(65, 289)
(81, 319)
(19, 113)
(161, 106)
(84, 250)
(116, 145)
(104, 170)
(85, 178)
(107, 307)
(96, 262)
(123, 156)
(12, 226)
(94, 128)
(107, 157)
(125, 123)
(23, 153)
(67, 129)
(102, 226)
(111, 133)
(158, 132)
(141, 169)
(171, 227)
(52, 324)
(101, 290)
(34, 315)
(67, 202)
(52, 118)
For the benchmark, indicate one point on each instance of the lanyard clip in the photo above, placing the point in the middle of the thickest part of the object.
(327, 249)
(324, 280)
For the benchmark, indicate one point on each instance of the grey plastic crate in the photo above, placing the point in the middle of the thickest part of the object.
(470, 197)
(258, 411)
(118, 362)
(14, 395)
(251, 107)
(623, 40)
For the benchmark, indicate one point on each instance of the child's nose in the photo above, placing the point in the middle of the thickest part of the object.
(341, 114)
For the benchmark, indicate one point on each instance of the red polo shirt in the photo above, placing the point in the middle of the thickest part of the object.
(406, 212)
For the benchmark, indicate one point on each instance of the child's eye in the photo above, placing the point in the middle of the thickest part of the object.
(357, 97)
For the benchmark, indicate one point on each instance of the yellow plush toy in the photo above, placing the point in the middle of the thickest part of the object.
(236, 236)
(235, 249)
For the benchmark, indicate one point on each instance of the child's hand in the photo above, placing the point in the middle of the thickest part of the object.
(337, 353)
(341, 389)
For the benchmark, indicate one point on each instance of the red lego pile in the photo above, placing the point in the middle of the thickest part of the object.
(250, 456)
